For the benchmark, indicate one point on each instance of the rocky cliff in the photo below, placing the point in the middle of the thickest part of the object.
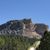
(23, 27)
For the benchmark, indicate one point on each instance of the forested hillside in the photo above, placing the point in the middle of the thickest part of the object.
(23, 43)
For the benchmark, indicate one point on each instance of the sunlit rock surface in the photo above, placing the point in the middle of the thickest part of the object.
(23, 27)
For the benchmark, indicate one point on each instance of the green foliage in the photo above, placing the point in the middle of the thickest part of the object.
(23, 43)
(15, 42)
(45, 44)
(2, 41)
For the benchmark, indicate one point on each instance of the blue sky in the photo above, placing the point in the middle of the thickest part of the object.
(37, 10)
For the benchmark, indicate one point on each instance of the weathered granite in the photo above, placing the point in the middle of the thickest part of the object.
(23, 27)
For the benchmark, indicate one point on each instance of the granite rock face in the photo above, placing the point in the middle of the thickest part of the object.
(23, 27)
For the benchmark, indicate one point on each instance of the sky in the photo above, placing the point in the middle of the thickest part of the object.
(37, 10)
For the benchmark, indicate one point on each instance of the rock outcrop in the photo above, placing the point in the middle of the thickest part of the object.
(23, 27)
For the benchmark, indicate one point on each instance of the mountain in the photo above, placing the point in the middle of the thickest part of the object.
(23, 27)
(22, 34)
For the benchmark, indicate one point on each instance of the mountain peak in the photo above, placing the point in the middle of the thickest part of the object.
(23, 27)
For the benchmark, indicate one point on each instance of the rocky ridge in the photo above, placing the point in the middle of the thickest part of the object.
(23, 27)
